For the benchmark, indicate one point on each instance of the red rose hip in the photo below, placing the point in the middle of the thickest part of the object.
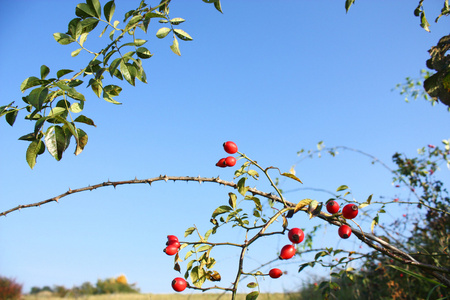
(172, 238)
(230, 161)
(171, 250)
(275, 273)
(179, 284)
(221, 163)
(173, 243)
(230, 147)
(287, 252)
(350, 211)
(332, 207)
(345, 231)
(296, 235)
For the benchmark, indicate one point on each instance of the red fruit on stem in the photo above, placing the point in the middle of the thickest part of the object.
(179, 284)
(221, 163)
(275, 273)
(345, 231)
(172, 238)
(173, 243)
(296, 235)
(171, 250)
(230, 161)
(431, 146)
(230, 147)
(287, 252)
(350, 211)
(332, 207)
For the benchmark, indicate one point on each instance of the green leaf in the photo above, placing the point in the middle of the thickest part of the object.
(56, 112)
(96, 86)
(174, 47)
(221, 210)
(139, 42)
(63, 38)
(55, 141)
(113, 90)
(77, 107)
(143, 53)
(189, 231)
(87, 25)
(108, 97)
(38, 96)
(177, 21)
(182, 35)
(163, 32)
(252, 285)
(76, 52)
(424, 22)
(95, 7)
(126, 72)
(135, 19)
(81, 141)
(83, 11)
(218, 6)
(108, 10)
(242, 189)
(85, 120)
(44, 71)
(252, 296)
(204, 248)
(154, 14)
(342, 188)
(63, 72)
(232, 200)
(348, 3)
(34, 149)
(10, 116)
(30, 82)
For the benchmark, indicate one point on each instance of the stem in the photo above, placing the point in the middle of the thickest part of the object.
(268, 177)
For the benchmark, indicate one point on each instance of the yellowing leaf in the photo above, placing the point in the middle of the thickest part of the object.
(292, 176)
(301, 204)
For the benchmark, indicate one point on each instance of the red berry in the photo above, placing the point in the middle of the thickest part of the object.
(275, 273)
(332, 207)
(179, 284)
(287, 252)
(431, 146)
(345, 231)
(296, 235)
(230, 161)
(396, 200)
(171, 250)
(221, 163)
(173, 243)
(230, 147)
(350, 211)
(172, 238)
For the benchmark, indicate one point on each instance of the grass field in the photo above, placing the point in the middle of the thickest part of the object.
(164, 297)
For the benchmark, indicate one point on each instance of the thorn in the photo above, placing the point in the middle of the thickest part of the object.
(135, 178)
(166, 178)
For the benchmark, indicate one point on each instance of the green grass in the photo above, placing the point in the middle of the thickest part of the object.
(181, 296)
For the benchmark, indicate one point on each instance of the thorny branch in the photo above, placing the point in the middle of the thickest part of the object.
(367, 238)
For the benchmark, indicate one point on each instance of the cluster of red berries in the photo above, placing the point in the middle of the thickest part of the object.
(296, 236)
(349, 211)
(172, 245)
(230, 161)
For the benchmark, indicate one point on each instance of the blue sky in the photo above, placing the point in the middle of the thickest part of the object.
(272, 78)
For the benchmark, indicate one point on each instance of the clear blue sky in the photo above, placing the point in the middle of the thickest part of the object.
(274, 77)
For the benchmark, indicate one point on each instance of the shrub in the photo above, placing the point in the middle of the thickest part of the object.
(9, 289)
